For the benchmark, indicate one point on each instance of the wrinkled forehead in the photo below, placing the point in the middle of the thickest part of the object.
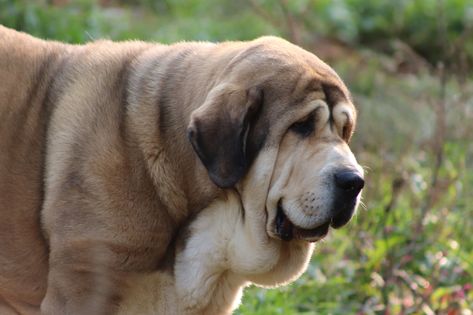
(324, 96)
(289, 70)
(292, 79)
(317, 84)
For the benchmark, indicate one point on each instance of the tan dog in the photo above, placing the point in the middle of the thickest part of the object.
(97, 172)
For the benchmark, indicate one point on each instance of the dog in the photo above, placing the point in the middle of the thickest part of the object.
(107, 149)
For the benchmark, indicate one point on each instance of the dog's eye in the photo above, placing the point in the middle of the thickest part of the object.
(304, 127)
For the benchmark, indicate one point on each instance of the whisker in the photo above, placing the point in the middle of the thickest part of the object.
(363, 205)
(366, 168)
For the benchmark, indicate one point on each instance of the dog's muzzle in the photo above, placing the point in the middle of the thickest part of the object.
(348, 185)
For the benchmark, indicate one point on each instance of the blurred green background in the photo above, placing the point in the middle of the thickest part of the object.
(409, 65)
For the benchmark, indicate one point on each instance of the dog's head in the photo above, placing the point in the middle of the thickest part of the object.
(277, 125)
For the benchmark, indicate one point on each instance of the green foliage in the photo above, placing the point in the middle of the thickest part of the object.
(409, 250)
(437, 30)
(84, 20)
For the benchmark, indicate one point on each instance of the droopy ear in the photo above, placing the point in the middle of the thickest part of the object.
(218, 131)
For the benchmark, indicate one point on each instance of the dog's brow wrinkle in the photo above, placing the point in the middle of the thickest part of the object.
(331, 122)
(333, 94)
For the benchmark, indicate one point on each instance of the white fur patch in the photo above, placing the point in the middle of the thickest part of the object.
(223, 255)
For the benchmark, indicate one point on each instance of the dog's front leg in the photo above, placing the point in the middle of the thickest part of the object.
(81, 280)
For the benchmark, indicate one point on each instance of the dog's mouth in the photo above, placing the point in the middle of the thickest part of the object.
(287, 231)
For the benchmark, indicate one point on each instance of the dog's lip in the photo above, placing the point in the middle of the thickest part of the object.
(287, 231)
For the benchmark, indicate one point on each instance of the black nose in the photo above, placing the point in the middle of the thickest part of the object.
(348, 185)
(350, 182)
